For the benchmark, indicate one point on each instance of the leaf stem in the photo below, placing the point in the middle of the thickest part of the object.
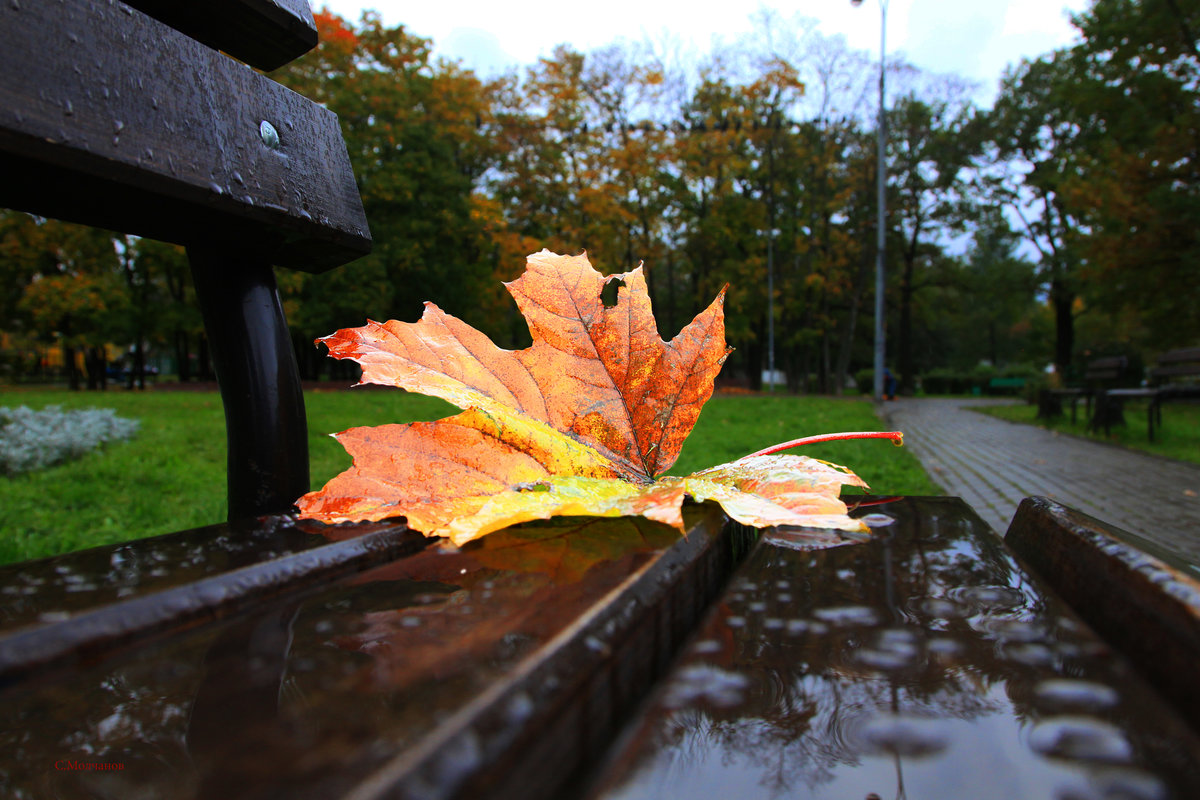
(895, 436)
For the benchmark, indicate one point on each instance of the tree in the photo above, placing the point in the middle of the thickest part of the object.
(1038, 140)
(417, 135)
(929, 152)
(1138, 189)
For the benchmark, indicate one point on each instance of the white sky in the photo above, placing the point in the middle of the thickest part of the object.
(976, 39)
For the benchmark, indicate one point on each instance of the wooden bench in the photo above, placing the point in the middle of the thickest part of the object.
(1100, 373)
(1174, 378)
(1005, 385)
(270, 658)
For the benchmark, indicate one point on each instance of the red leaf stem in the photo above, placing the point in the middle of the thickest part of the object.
(895, 436)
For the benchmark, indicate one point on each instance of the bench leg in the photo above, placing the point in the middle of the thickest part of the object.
(252, 353)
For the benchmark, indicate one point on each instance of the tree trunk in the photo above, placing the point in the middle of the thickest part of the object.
(68, 354)
(1064, 326)
(182, 356)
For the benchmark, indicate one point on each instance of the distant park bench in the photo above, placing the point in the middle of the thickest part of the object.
(267, 657)
(1100, 374)
(1175, 377)
(1005, 385)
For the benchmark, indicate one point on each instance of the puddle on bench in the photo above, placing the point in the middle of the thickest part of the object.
(923, 664)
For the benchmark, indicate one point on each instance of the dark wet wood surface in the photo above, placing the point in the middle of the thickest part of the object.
(922, 661)
(926, 663)
(1138, 596)
(111, 118)
(263, 33)
(498, 670)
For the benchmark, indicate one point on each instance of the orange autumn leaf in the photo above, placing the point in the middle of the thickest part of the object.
(580, 423)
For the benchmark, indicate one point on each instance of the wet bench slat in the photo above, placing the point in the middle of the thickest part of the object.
(1144, 600)
(112, 118)
(499, 670)
(80, 606)
(926, 663)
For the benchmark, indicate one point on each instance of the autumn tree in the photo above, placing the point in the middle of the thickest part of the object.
(416, 134)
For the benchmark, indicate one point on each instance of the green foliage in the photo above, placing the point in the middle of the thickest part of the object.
(172, 477)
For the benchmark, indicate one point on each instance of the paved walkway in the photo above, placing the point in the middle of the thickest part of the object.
(992, 464)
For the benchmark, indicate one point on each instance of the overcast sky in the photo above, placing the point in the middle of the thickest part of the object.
(975, 39)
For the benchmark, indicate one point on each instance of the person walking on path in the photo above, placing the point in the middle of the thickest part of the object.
(993, 464)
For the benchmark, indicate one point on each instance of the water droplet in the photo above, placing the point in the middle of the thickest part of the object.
(1012, 630)
(1081, 695)
(1116, 783)
(877, 520)
(905, 736)
(894, 648)
(270, 136)
(940, 608)
(520, 708)
(1030, 653)
(988, 598)
(848, 615)
(1082, 739)
(944, 646)
(701, 683)
(798, 626)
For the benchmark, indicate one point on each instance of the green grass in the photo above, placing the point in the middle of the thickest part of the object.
(1178, 437)
(171, 476)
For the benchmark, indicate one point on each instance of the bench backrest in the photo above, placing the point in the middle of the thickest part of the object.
(1183, 363)
(129, 117)
(1106, 370)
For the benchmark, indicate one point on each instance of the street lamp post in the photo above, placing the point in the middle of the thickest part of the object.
(881, 204)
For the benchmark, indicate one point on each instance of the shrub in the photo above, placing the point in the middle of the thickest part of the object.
(32, 440)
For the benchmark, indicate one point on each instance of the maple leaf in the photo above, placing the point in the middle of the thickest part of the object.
(580, 423)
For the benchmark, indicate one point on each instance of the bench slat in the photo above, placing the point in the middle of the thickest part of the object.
(83, 613)
(111, 118)
(263, 33)
(1139, 598)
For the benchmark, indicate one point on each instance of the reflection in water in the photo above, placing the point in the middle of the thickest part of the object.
(924, 663)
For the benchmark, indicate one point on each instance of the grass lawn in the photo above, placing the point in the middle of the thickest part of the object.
(171, 476)
(1178, 437)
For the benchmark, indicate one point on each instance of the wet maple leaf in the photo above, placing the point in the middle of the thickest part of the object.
(580, 423)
